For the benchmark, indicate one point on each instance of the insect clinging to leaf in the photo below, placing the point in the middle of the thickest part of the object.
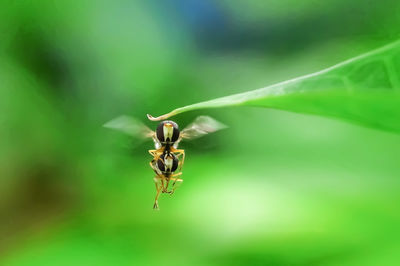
(167, 159)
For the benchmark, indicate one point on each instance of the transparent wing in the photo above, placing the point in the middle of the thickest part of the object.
(201, 126)
(130, 126)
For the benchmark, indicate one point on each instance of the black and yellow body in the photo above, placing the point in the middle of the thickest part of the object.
(167, 159)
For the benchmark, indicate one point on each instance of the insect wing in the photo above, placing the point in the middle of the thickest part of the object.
(130, 126)
(201, 126)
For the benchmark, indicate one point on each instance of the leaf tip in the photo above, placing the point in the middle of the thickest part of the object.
(161, 117)
(152, 118)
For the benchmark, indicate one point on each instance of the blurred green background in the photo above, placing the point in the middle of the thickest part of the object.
(276, 188)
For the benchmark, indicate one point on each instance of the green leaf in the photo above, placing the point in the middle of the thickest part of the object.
(363, 90)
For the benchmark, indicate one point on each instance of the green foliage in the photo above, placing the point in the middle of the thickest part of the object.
(276, 188)
(364, 89)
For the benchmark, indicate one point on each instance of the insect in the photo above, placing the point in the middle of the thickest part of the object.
(167, 159)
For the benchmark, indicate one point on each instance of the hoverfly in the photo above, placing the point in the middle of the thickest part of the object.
(167, 159)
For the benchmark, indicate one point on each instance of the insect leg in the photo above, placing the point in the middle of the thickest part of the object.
(175, 180)
(159, 179)
(183, 160)
(153, 165)
(180, 152)
(168, 179)
(177, 151)
(155, 206)
(156, 153)
(165, 188)
(174, 175)
(156, 181)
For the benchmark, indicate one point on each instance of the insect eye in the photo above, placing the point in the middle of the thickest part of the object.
(167, 132)
(168, 163)
(161, 165)
(174, 164)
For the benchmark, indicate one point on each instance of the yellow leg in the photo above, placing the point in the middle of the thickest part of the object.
(175, 179)
(182, 161)
(155, 206)
(177, 174)
(156, 181)
(165, 188)
(179, 153)
(153, 165)
(174, 186)
(168, 179)
(156, 153)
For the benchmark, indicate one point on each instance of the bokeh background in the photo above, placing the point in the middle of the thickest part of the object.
(276, 188)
